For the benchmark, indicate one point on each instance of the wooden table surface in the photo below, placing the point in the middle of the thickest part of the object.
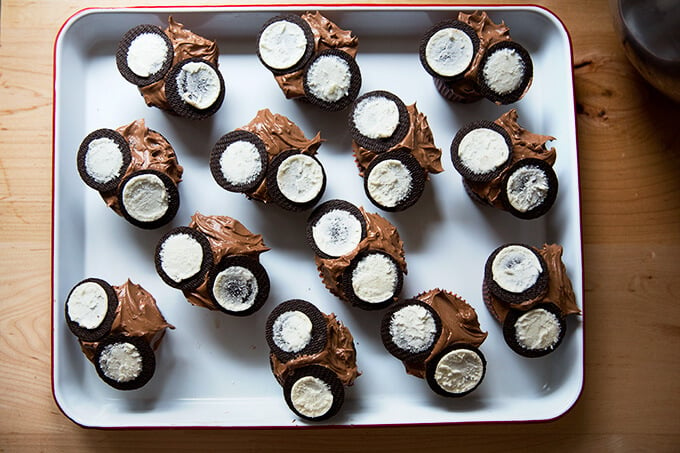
(629, 150)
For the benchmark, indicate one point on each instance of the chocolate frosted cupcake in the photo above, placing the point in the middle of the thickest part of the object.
(311, 58)
(505, 166)
(359, 255)
(437, 336)
(394, 149)
(215, 262)
(270, 160)
(119, 328)
(528, 291)
(312, 357)
(175, 69)
(136, 172)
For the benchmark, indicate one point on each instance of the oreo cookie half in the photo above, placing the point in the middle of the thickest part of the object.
(335, 228)
(125, 363)
(373, 280)
(448, 49)
(194, 88)
(410, 329)
(481, 150)
(456, 371)
(378, 121)
(144, 55)
(103, 157)
(90, 309)
(183, 258)
(505, 72)
(295, 181)
(332, 80)
(238, 161)
(516, 273)
(295, 328)
(285, 44)
(148, 198)
(529, 188)
(536, 332)
(239, 285)
(314, 392)
(394, 180)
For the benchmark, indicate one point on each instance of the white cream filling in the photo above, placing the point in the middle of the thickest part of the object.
(235, 288)
(311, 396)
(145, 198)
(389, 182)
(537, 329)
(103, 160)
(504, 71)
(375, 278)
(413, 328)
(292, 331)
(329, 78)
(449, 52)
(459, 371)
(515, 268)
(527, 188)
(121, 362)
(483, 150)
(376, 117)
(337, 232)
(282, 44)
(300, 178)
(181, 256)
(146, 54)
(241, 163)
(198, 84)
(87, 305)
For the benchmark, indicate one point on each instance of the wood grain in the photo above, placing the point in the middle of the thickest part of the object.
(629, 156)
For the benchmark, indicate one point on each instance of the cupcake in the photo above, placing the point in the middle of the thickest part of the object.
(215, 262)
(174, 69)
(359, 255)
(472, 57)
(136, 172)
(394, 149)
(312, 356)
(119, 328)
(506, 167)
(270, 160)
(437, 337)
(311, 58)
(528, 291)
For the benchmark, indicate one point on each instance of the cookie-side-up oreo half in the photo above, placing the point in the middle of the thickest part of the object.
(238, 161)
(144, 55)
(481, 150)
(125, 363)
(373, 280)
(90, 309)
(285, 44)
(529, 188)
(239, 285)
(148, 198)
(448, 49)
(194, 88)
(331, 80)
(456, 371)
(294, 328)
(335, 228)
(516, 273)
(505, 72)
(394, 180)
(183, 258)
(103, 157)
(295, 181)
(410, 329)
(378, 121)
(314, 392)
(535, 332)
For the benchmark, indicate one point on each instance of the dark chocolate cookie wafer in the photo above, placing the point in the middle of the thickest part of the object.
(194, 88)
(378, 121)
(183, 258)
(239, 285)
(90, 309)
(285, 44)
(505, 72)
(394, 180)
(456, 371)
(314, 392)
(295, 181)
(373, 280)
(144, 55)
(410, 329)
(125, 363)
(529, 188)
(295, 328)
(332, 80)
(148, 199)
(481, 150)
(335, 228)
(103, 157)
(238, 161)
(448, 49)
(516, 273)
(535, 332)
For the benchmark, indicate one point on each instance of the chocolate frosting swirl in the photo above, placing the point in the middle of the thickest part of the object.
(419, 141)
(459, 325)
(339, 355)
(226, 236)
(149, 150)
(137, 315)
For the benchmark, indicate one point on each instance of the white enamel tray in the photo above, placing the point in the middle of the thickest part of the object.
(213, 370)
